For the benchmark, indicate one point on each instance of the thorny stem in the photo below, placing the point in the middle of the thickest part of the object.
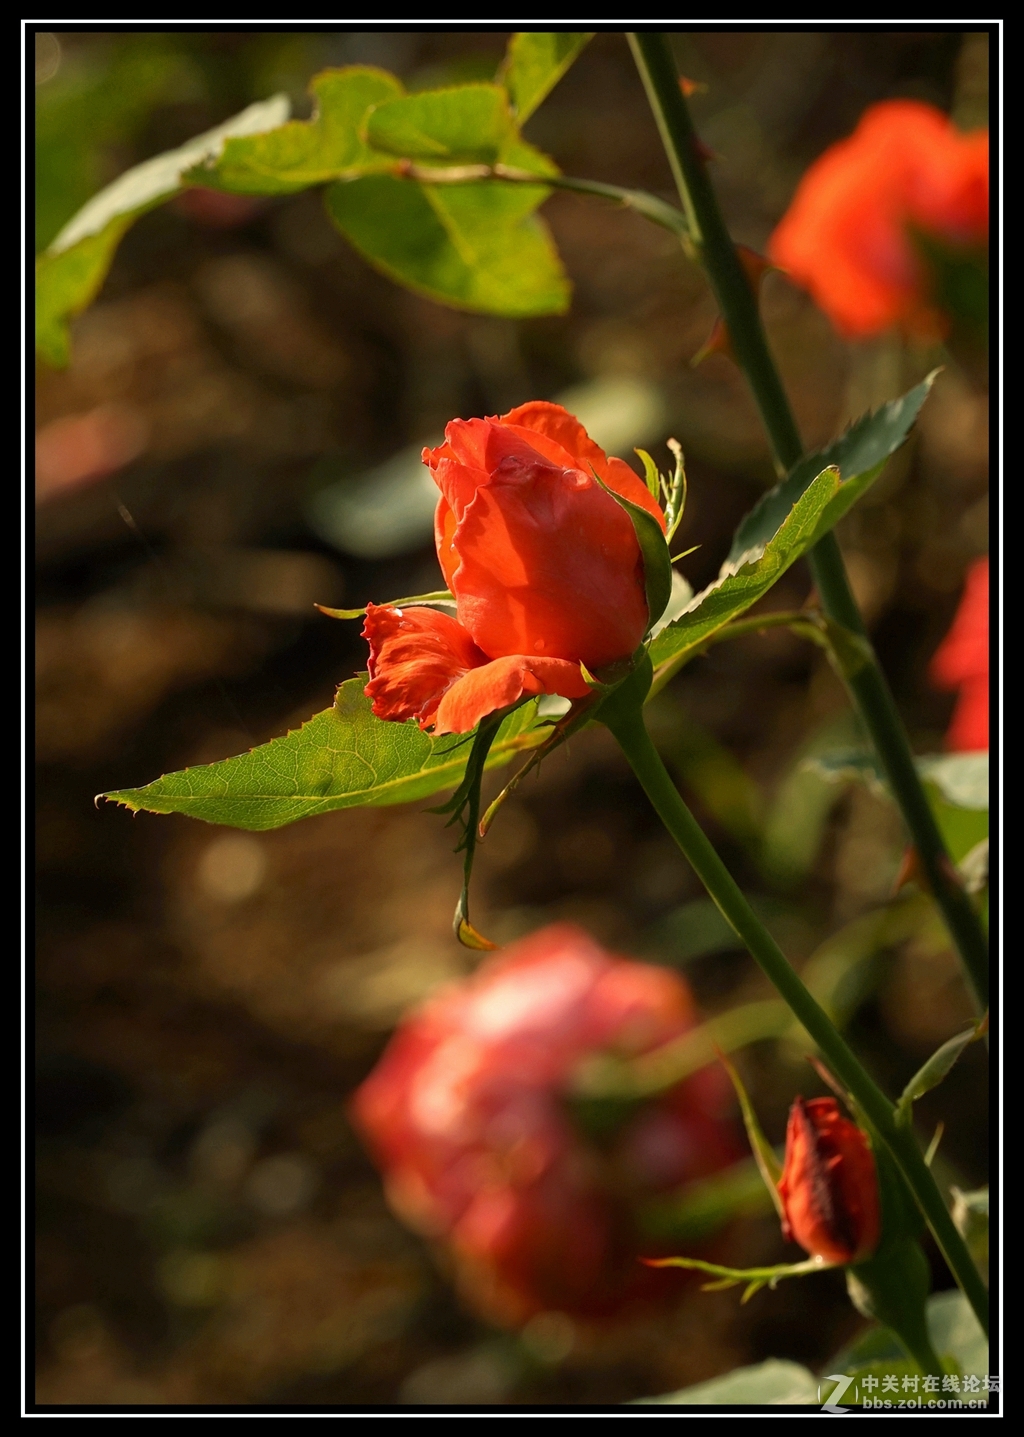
(623, 714)
(710, 238)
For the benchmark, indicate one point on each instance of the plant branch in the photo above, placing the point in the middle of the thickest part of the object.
(714, 248)
(648, 205)
(623, 714)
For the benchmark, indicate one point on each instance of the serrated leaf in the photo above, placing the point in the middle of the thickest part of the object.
(859, 454)
(535, 62)
(342, 758)
(69, 273)
(476, 247)
(308, 152)
(745, 580)
(463, 124)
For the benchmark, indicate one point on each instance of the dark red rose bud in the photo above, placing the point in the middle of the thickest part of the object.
(829, 1187)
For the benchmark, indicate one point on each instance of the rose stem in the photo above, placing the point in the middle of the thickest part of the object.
(738, 305)
(623, 714)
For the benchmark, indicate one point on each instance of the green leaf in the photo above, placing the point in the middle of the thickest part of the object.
(342, 758)
(657, 561)
(308, 152)
(932, 1072)
(957, 789)
(859, 454)
(952, 1326)
(773, 1383)
(535, 62)
(465, 124)
(743, 581)
(474, 246)
(961, 778)
(69, 273)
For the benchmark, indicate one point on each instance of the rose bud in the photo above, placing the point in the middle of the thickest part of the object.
(544, 565)
(467, 1114)
(961, 662)
(829, 1186)
(847, 236)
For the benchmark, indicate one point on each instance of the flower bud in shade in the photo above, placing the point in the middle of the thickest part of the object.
(961, 662)
(544, 565)
(847, 236)
(468, 1114)
(829, 1186)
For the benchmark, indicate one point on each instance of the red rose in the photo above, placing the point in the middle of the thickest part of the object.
(961, 662)
(847, 236)
(829, 1187)
(544, 565)
(466, 1114)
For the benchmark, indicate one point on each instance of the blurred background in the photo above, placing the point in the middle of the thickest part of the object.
(237, 438)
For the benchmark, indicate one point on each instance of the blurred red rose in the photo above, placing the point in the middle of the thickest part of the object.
(467, 1115)
(544, 565)
(829, 1187)
(848, 233)
(961, 662)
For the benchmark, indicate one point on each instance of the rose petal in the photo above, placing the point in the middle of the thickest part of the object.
(416, 655)
(496, 685)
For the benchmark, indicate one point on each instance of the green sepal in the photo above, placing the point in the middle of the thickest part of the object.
(764, 1154)
(754, 1277)
(464, 807)
(651, 475)
(654, 551)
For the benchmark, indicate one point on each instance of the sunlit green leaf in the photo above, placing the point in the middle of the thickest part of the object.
(859, 454)
(474, 246)
(308, 152)
(70, 272)
(80, 114)
(743, 581)
(463, 124)
(342, 758)
(535, 62)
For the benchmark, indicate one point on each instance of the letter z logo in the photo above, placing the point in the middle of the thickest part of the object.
(837, 1395)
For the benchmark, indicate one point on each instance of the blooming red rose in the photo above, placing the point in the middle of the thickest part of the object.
(544, 565)
(466, 1114)
(961, 662)
(829, 1187)
(847, 236)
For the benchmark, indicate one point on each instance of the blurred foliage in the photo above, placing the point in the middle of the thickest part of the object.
(209, 1230)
